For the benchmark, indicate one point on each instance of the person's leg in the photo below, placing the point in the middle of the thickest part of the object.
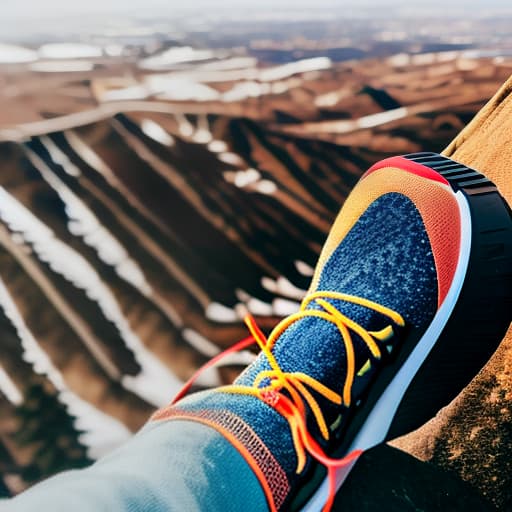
(174, 466)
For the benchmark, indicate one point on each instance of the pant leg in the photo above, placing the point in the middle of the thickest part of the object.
(170, 466)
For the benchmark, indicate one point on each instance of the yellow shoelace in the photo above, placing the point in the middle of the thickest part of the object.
(293, 405)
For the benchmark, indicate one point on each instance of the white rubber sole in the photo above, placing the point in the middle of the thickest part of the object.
(377, 424)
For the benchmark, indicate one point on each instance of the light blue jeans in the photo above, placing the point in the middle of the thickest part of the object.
(170, 466)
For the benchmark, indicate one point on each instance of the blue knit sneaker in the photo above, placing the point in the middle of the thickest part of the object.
(410, 297)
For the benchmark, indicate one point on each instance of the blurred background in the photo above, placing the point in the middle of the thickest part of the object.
(165, 169)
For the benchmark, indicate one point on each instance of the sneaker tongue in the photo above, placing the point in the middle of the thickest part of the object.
(315, 346)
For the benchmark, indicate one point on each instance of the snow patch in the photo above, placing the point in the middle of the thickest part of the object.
(184, 125)
(220, 313)
(266, 187)
(217, 146)
(304, 268)
(373, 120)
(230, 158)
(83, 223)
(293, 68)
(154, 131)
(258, 307)
(69, 51)
(173, 56)
(242, 178)
(155, 382)
(283, 307)
(102, 433)
(181, 90)
(13, 54)
(9, 389)
(200, 343)
(62, 66)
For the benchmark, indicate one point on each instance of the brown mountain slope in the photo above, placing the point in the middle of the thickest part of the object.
(134, 238)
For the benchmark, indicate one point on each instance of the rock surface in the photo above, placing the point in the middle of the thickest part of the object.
(473, 435)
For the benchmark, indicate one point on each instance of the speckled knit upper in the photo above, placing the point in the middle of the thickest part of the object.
(386, 257)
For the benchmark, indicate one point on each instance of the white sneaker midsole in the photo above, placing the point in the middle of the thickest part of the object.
(378, 422)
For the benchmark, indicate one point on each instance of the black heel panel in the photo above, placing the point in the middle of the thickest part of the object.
(484, 309)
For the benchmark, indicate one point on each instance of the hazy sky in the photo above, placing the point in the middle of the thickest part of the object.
(50, 8)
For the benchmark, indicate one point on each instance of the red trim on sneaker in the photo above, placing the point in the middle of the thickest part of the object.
(407, 165)
(265, 466)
